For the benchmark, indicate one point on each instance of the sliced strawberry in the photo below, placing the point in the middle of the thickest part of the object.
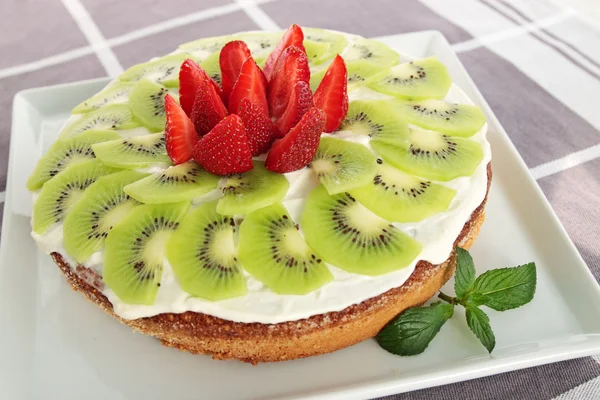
(300, 102)
(291, 69)
(190, 76)
(208, 108)
(259, 128)
(250, 84)
(231, 59)
(292, 37)
(299, 146)
(332, 94)
(225, 149)
(180, 134)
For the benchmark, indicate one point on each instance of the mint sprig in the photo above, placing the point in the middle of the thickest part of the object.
(499, 289)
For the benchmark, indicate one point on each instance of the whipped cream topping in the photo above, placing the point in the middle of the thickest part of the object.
(436, 234)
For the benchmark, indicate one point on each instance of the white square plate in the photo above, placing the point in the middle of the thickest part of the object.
(54, 344)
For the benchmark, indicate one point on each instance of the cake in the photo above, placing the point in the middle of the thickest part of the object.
(265, 196)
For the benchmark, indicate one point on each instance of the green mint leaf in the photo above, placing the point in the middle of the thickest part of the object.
(410, 332)
(464, 278)
(479, 323)
(505, 288)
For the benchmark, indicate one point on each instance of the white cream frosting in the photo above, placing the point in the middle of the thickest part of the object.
(436, 234)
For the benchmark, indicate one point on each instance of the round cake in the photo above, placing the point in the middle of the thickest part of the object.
(265, 196)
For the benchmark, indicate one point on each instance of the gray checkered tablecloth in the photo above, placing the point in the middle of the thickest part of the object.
(537, 64)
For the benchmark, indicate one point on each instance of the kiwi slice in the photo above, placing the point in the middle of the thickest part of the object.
(317, 51)
(273, 251)
(346, 234)
(116, 93)
(358, 73)
(419, 79)
(63, 191)
(371, 51)
(212, 68)
(336, 43)
(147, 101)
(203, 255)
(135, 250)
(202, 48)
(257, 188)
(432, 155)
(103, 204)
(452, 119)
(112, 117)
(164, 70)
(181, 182)
(400, 197)
(65, 152)
(377, 119)
(261, 44)
(342, 165)
(133, 152)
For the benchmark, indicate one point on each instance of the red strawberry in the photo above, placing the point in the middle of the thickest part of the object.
(225, 149)
(190, 76)
(292, 37)
(250, 84)
(291, 69)
(208, 108)
(231, 59)
(332, 94)
(300, 102)
(180, 134)
(299, 146)
(259, 128)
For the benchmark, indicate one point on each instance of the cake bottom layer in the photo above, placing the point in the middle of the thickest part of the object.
(255, 342)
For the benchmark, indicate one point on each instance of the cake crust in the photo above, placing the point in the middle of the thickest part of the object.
(256, 342)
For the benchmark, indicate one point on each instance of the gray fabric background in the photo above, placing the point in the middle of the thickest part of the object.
(42, 44)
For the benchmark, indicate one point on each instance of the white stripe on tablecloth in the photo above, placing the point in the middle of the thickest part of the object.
(257, 15)
(530, 54)
(566, 162)
(46, 62)
(88, 27)
(586, 391)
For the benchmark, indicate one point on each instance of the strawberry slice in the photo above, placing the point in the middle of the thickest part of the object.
(292, 37)
(180, 134)
(300, 102)
(299, 146)
(208, 108)
(231, 59)
(332, 94)
(225, 149)
(259, 128)
(190, 76)
(291, 69)
(250, 84)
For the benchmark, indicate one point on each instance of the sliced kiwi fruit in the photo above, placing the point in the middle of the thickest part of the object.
(203, 255)
(358, 73)
(346, 234)
(317, 51)
(419, 79)
(336, 43)
(112, 117)
(400, 197)
(164, 70)
(177, 183)
(65, 152)
(212, 68)
(63, 191)
(261, 44)
(103, 204)
(116, 93)
(342, 165)
(377, 119)
(257, 188)
(147, 101)
(135, 250)
(273, 251)
(451, 119)
(203, 48)
(432, 155)
(133, 152)
(371, 51)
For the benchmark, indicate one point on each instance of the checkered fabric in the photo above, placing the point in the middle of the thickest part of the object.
(536, 63)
